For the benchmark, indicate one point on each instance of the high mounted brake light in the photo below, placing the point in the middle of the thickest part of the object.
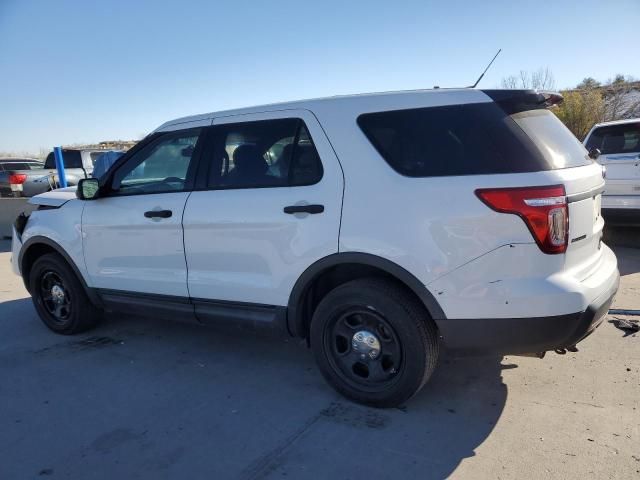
(543, 209)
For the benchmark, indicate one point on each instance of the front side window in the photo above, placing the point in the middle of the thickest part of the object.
(613, 139)
(269, 153)
(160, 167)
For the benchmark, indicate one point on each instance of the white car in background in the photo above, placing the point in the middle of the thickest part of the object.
(619, 145)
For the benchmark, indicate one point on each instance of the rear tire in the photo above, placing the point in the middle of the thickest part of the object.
(59, 297)
(374, 342)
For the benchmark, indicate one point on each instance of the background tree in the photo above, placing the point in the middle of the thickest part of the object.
(580, 110)
(541, 79)
(621, 98)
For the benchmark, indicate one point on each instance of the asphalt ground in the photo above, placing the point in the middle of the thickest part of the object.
(142, 398)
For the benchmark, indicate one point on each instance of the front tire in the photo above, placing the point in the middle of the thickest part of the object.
(59, 298)
(374, 342)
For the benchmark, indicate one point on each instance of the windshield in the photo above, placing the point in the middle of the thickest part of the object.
(623, 138)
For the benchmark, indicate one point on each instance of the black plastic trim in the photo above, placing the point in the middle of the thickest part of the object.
(167, 307)
(41, 240)
(219, 313)
(240, 315)
(295, 316)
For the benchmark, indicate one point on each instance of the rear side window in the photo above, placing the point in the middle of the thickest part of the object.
(616, 139)
(269, 153)
(71, 158)
(470, 139)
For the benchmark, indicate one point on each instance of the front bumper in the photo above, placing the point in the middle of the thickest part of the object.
(526, 335)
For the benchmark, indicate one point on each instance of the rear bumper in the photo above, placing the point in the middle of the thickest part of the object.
(526, 335)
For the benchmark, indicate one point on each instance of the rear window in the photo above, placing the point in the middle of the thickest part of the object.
(556, 143)
(72, 159)
(616, 139)
(470, 139)
(21, 166)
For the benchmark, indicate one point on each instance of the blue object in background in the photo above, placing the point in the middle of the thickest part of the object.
(104, 162)
(62, 177)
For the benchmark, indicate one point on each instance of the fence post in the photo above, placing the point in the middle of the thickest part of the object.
(62, 177)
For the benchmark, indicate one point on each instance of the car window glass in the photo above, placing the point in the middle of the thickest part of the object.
(471, 139)
(161, 167)
(71, 159)
(94, 156)
(614, 139)
(269, 153)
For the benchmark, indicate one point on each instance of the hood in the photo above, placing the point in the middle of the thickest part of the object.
(54, 198)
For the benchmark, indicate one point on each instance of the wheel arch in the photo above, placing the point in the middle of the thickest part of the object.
(39, 245)
(339, 268)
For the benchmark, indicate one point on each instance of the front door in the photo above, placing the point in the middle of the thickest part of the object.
(133, 236)
(271, 208)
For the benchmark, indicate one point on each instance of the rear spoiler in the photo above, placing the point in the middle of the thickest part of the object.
(514, 101)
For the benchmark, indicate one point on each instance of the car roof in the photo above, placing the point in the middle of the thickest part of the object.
(617, 122)
(310, 104)
(6, 159)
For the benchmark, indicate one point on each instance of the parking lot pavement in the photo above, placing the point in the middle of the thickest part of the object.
(139, 398)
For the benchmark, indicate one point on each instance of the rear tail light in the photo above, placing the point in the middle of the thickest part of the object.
(543, 209)
(17, 178)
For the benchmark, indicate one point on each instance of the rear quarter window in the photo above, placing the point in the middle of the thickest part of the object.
(470, 139)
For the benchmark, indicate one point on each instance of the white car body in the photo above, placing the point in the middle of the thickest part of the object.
(622, 193)
(474, 269)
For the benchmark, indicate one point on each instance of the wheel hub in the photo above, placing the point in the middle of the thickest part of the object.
(57, 294)
(366, 344)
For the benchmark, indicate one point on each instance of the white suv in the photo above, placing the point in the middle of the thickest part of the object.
(378, 227)
(619, 146)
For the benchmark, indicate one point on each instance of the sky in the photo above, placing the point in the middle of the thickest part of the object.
(87, 71)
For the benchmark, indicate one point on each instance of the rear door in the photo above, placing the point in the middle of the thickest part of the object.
(620, 153)
(269, 208)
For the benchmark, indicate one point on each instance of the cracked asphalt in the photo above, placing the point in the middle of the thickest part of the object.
(140, 398)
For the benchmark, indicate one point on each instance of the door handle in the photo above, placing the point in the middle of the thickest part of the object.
(158, 214)
(312, 209)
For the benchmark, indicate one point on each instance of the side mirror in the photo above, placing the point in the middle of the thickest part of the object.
(594, 153)
(88, 189)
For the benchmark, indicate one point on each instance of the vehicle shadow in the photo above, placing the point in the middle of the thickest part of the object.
(628, 259)
(174, 399)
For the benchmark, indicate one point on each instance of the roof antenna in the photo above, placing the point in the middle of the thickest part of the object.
(485, 70)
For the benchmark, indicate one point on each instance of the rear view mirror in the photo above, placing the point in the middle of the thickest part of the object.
(88, 189)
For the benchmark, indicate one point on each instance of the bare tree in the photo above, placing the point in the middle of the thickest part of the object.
(621, 98)
(541, 79)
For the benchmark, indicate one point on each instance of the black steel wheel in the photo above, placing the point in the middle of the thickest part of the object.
(59, 297)
(363, 348)
(55, 297)
(374, 342)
